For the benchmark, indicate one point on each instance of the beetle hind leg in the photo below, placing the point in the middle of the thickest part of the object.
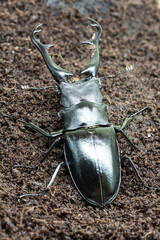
(125, 157)
(48, 186)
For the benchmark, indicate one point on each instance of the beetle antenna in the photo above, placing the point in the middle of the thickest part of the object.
(127, 69)
(26, 87)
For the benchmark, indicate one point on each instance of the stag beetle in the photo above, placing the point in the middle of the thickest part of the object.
(90, 145)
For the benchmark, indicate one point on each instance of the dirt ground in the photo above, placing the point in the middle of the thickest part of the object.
(131, 35)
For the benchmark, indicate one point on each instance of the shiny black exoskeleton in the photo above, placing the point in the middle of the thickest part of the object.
(90, 146)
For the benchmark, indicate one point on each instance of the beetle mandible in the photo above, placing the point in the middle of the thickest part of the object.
(90, 146)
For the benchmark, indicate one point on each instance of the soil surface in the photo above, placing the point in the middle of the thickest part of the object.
(131, 35)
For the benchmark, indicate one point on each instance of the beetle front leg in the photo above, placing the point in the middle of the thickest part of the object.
(34, 127)
(48, 186)
(125, 157)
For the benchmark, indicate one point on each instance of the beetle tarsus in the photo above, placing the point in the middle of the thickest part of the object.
(48, 186)
(125, 123)
(31, 195)
(128, 119)
(141, 110)
(126, 137)
(34, 127)
(43, 158)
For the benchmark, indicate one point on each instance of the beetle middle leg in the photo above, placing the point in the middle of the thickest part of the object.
(119, 129)
(43, 158)
(126, 137)
(125, 157)
(128, 119)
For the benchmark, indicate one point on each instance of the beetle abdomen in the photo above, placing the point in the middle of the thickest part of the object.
(93, 161)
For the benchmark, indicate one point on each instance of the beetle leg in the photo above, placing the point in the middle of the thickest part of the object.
(48, 186)
(34, 127)
(43, 158)
(128, 119)
(126, 137)
(125, 157)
